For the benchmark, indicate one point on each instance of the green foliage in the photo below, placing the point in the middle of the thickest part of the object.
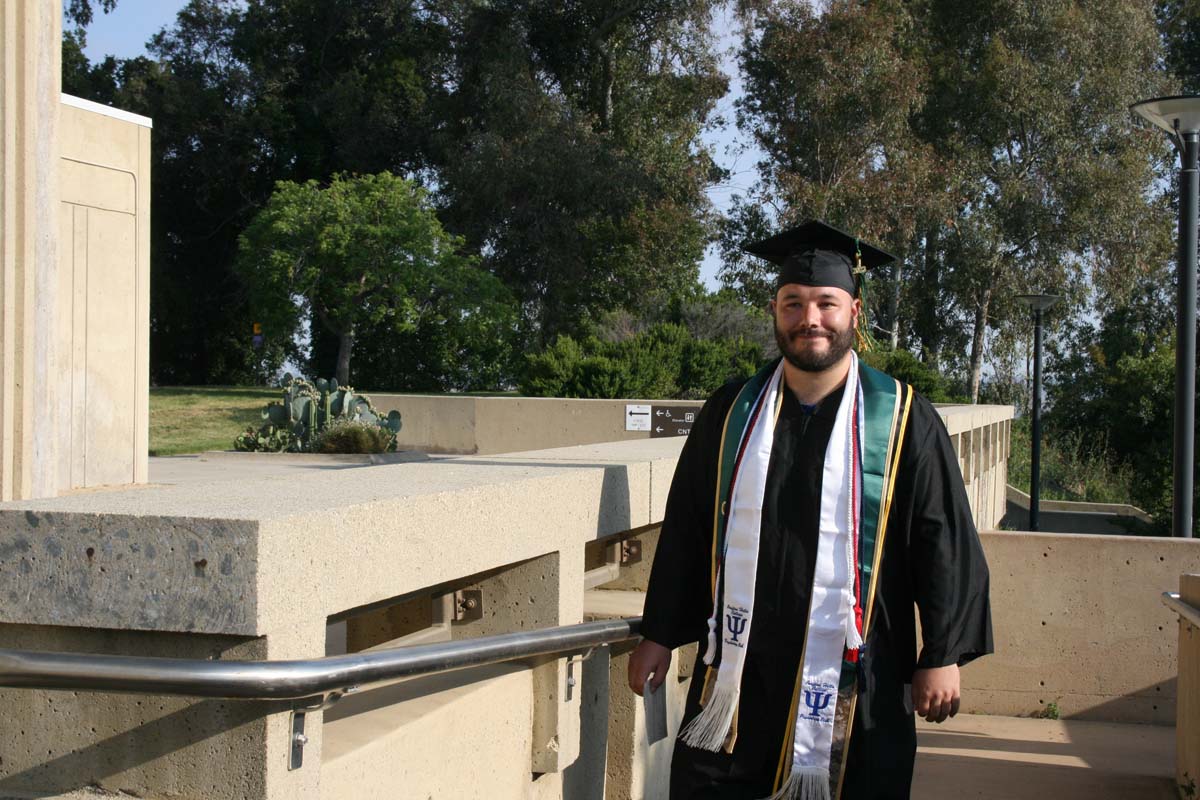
(664, 361)
(987, 144)
(1048, 711)
(572, 154)
(1073, 468)
(365, 254)
(1113, 383)
(563, 142)
(904, 366)
(353, 436)
(307, 410)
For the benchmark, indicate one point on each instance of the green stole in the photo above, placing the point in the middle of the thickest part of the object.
(886, 403)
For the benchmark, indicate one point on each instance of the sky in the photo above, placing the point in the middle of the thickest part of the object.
(123, 33)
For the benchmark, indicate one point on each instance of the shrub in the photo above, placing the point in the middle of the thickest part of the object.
(353, 436)
(663, 361)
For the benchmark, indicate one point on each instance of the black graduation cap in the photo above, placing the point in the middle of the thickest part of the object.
(818, 254)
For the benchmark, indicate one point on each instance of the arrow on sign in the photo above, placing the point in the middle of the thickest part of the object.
(658, 429)
(639, 413)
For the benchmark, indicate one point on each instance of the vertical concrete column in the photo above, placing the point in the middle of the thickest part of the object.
(30, 90)
(1187, 713)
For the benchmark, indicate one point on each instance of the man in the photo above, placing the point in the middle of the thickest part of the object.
(811, 507)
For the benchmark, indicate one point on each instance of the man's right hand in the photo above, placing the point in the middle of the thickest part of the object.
(648, 658)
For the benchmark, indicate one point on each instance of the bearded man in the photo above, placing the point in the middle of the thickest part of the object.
(812, 506)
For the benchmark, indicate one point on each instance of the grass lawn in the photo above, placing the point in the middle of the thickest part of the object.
(186, 419)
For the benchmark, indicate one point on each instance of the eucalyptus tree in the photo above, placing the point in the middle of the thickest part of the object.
(989, 144)
(1030, 99)
(571, 157)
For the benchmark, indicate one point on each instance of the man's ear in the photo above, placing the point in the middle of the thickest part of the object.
(771, 306)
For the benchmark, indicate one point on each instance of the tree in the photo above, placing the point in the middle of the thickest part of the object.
(360, 251)
(1031, 99)
(988, 144)
(1111, 387)
(829, 100)
(571, 155)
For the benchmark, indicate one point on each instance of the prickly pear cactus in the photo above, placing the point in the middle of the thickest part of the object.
(305, 410)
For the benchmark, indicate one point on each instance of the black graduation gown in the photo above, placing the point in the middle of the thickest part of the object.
(931, 556)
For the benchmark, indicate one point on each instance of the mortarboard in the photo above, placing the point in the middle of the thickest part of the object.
(818, 254)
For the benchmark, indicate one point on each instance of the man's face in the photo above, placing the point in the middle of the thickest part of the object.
(814, 325)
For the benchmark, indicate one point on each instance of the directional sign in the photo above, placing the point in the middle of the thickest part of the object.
(637, 418)
(672, 420)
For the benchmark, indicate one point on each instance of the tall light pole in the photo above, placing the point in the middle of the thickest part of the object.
(1180, 118)
(1039, 303)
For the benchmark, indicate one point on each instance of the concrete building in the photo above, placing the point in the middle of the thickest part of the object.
(74, 294)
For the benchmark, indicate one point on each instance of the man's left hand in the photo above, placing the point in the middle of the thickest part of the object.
(936, 692)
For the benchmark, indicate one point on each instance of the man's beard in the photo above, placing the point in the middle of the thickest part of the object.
(840, 343)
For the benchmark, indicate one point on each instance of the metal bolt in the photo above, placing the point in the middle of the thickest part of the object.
(570, 680)
(300, 739)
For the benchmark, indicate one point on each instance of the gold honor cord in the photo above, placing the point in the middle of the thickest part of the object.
(904, 394)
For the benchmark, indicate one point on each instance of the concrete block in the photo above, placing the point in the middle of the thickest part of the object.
(471, 726)
(1187, 728)
(1078, 622)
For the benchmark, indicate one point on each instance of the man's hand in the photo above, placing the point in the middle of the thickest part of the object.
(648, 658)
(935, 692)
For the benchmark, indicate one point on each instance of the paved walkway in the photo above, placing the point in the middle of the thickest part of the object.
(1006, 758)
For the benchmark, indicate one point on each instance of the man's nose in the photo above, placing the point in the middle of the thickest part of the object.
(810, 316)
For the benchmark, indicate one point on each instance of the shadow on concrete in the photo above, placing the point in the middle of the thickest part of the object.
(92, 765)
(1010, 758)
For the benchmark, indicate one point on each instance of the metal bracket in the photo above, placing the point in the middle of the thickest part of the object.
(571, 662)
(299, 712)
(631, 551)
(468, 605)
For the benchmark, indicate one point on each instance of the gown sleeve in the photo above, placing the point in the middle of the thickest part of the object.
(948, 571)
(679, 594)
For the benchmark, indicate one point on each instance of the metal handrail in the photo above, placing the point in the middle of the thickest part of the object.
(1181, 607)
(289, 680)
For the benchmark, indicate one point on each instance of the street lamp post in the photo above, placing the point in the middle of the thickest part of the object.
(1039, 303)
(1180, 118)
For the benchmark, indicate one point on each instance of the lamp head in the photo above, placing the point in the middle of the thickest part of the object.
(1177, 114)
(1038, 302)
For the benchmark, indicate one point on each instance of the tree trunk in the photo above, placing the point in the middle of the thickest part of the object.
(977, 341)
(606, 87)
(345, 345)
(894, 305)
(930, 335)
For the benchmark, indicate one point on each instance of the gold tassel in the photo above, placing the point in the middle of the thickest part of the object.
(864, 341)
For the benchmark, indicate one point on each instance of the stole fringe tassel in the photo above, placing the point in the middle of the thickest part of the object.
(805, 783)
(853, 638)
(710, 727)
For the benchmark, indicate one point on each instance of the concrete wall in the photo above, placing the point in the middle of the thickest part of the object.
(1187, 735)
(980, 435)
(31, 406)
(104, 295)
(487, 425)
(211, 567)
(1063, 516)
(74, 292)
(1079, 623)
